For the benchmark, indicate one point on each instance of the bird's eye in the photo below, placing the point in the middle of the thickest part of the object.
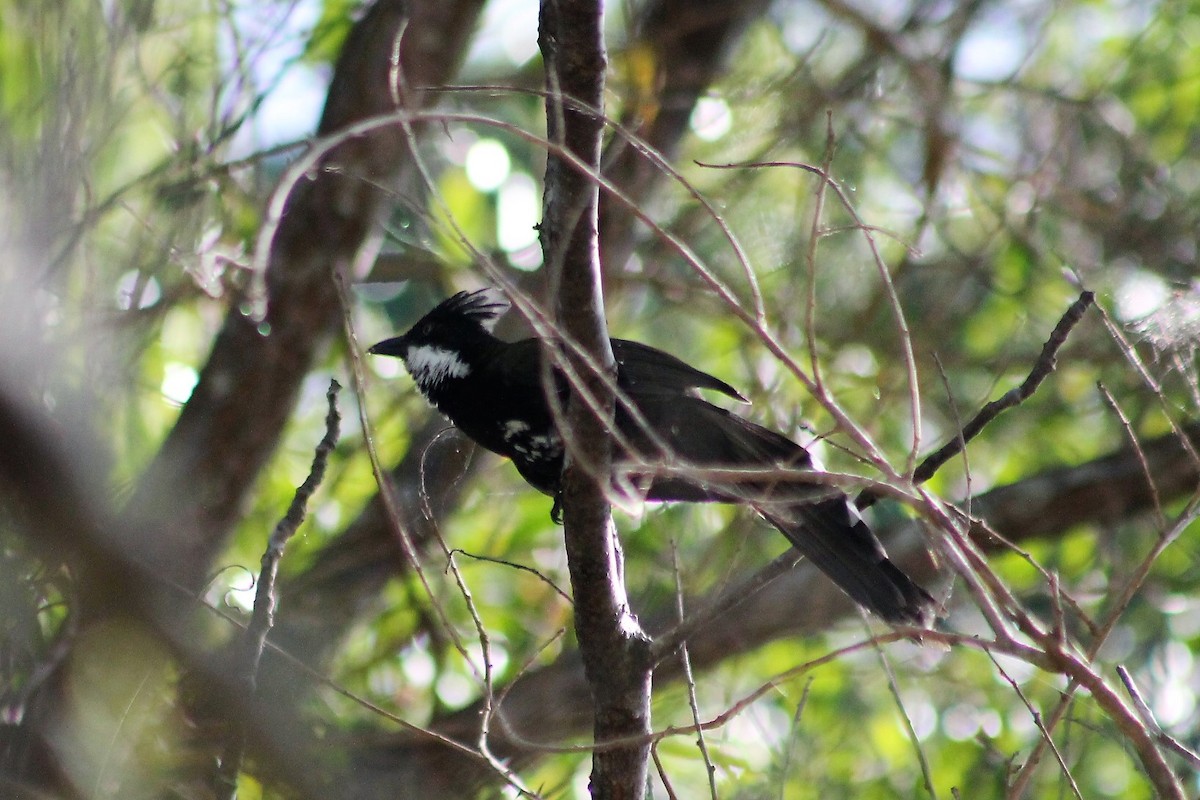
(427, 329)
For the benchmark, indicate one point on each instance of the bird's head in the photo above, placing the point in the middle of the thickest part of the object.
(443, 343)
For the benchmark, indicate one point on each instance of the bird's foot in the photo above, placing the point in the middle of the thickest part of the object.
(556, 511)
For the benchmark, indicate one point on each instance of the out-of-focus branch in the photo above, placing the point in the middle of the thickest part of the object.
(1107, 489)
(687, 44)
(232, 423)
(51, 492)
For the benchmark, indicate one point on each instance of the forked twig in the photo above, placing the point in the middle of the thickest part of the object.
(1147, 717)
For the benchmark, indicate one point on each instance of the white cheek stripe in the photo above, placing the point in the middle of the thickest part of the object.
(430, 365)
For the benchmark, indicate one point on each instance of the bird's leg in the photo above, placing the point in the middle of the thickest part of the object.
(556, 511)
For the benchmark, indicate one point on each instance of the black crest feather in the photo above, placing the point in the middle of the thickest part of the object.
(485, 306)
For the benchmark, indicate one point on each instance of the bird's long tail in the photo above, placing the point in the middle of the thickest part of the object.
(819, 521)
(834, 537)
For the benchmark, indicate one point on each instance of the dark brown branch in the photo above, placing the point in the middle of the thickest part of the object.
(1013, 397)
(613, 647)
(345, 582)
(51, 489)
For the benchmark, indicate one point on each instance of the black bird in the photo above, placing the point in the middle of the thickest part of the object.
(492, 391)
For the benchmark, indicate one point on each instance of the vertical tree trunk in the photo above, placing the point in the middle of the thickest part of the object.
(613, 646)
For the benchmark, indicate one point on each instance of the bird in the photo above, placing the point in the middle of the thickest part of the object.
(495, 393)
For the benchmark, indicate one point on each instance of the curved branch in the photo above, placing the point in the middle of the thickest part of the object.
(207, 466)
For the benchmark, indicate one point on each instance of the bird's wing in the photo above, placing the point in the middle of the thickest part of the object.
(699, 436)
(645, 370)
(515, 370)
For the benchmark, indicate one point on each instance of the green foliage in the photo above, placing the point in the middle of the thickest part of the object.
(329, 34)
(1079, 166)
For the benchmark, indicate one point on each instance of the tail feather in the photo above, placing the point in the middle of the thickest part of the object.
(818, 520)
(834, 537)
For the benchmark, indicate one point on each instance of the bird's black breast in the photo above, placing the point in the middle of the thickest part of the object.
(501, 405)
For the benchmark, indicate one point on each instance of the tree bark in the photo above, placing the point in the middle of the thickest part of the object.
(613, 646)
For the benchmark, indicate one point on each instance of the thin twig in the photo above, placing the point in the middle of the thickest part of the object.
(1137, 451)
(666, 643)
(662, 773)
(894, 690)
(1148, 719)
(689, 679)
(810, 256)
(485, 643)
(402, 534)
(1182, 522)
(1037, 720)
(962, 444)
(254, 637)
(1042, 368)
(1155, 387)
(732, 711)
(1046, 654)
(904, 337)
(787, 753)
(514, 565)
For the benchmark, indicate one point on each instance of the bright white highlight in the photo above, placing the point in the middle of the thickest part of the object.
(487, 165)
(1139, 294)
(505, 33)
(517, 211)
(992, 49)
(711, 119)
(178, 382)
(267, 39)
(130, 284)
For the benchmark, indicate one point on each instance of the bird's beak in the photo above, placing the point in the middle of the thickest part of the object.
(397, 347)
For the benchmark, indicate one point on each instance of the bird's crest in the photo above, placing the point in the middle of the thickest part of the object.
(484, 306)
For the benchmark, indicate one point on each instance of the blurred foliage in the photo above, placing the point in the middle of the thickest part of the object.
(1002, 159)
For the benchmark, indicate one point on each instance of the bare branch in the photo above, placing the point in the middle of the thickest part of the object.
(1042, 368)
(1147, 716)
(254, 637)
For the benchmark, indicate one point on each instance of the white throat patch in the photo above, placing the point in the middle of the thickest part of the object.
(431, 365)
